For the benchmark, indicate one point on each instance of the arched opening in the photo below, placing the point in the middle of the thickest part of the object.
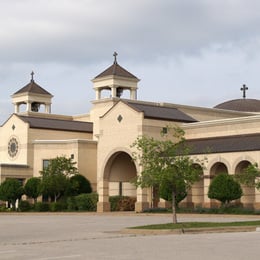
(216, 169)
(248, 198)
(120, 170)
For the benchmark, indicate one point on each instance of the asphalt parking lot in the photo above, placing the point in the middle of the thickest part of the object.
(83, 236)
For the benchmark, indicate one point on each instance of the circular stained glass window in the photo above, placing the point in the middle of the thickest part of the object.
(12, 147)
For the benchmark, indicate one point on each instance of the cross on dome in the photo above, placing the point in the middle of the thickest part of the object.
(244, 89)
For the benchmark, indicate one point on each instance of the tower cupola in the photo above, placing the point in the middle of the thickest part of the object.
(33, 96)
(115, 79)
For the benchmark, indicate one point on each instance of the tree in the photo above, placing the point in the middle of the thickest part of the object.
(250, 176)
(79, 184)
(32, 188)
(165, 192)
(224, 188)
(166, 161)
(10, 191)
(55, 177)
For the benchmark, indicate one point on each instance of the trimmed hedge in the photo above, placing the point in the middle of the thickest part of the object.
(58, 206)
(83, 202)
(122, 203)
(42, 206)
(25, 205)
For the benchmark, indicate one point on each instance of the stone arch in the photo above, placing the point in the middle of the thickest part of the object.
(215, 169)
(119, 171)
(248, 198)
(218, 167)
(112, 162)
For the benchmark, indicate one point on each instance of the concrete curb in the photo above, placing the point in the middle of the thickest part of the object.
(189, 230)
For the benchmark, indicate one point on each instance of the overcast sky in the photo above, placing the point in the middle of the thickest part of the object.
(191, 52)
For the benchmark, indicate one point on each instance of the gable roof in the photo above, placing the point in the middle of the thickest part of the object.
(32, 87)
(237, 143)
(57, 124)
(156, 111)
(116, 70)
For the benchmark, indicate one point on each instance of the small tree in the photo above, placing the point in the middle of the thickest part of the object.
(165, 192)
(250, 176)
(166, 161)
(79, 184)
(32, 188)
(55, 177)
(224, 188)
(10, 191)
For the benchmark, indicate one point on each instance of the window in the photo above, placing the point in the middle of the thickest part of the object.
(45, 164)
(164, 130)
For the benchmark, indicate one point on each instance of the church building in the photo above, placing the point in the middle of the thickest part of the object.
(100, 141)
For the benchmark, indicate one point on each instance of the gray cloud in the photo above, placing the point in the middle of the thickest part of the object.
(196, 47)
(85, 30)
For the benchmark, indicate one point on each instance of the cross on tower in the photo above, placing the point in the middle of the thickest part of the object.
(115, 54)
(32, 74)
(244, 89)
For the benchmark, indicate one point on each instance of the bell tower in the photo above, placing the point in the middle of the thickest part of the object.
(115, 79)
(33, 96)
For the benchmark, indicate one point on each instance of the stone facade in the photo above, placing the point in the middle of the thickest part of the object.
(100, 141)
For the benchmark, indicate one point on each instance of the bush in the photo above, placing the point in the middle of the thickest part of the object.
(71, 204)
(86, 201)
(79, 184)
(42, 206)
(224, 189)
(122, 203)
(58, 206)
(25, 205)
(157, 210)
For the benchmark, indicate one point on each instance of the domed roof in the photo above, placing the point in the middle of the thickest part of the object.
(243, 104)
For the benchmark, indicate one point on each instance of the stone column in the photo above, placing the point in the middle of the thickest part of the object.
(133, 94)
(98, 94)
(48, 108)
(207, 200)
(142, 202)
(28, 106)
(103, 204)
(16, 108)
(113, 91)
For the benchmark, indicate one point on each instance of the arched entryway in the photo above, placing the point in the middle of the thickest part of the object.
(120, 170)
(248, 198)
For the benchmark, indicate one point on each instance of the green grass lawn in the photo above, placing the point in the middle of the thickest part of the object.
(199, 225)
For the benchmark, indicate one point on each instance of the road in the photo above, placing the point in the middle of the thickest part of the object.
(81, 236)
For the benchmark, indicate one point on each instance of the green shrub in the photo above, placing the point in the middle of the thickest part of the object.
(71, 204)
(86, 201)
(25, 205)
(224, 188)
(3, 208)
(122, 203)
(42, 206)
(157, 210)
(58, 206)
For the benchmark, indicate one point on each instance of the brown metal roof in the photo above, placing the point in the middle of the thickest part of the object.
(245, 105)
(116, 70)
(225, 144)
(32, 87)
(57, 124)
(162, 112)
